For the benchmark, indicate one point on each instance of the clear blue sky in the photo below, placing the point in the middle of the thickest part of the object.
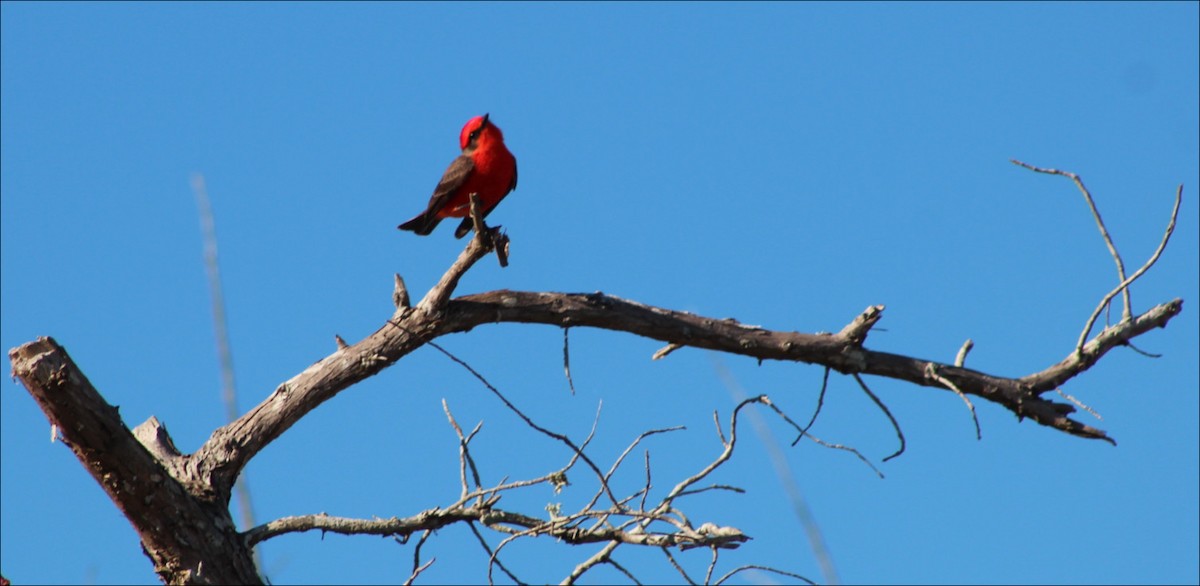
(784, 164)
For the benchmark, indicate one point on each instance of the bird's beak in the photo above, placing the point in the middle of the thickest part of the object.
(485, 120)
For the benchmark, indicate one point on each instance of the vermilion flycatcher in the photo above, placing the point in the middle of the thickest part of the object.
(485, 167)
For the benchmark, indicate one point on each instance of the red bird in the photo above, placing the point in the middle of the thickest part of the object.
(485, 167)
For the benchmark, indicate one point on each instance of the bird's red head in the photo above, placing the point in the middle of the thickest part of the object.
(477, 130)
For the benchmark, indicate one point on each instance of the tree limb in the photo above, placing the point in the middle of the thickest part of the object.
(179, 503)
(200, 545)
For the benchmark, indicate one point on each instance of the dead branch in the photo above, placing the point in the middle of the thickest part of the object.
(179, 503)
(190, 536)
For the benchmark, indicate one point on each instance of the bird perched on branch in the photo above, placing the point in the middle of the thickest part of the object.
(485, 167)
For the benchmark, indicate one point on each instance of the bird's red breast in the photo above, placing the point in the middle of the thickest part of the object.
(493, 173)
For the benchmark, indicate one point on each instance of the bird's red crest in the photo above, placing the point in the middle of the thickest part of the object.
(472, 125)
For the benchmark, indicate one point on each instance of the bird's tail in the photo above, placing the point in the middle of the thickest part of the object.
(422, 225)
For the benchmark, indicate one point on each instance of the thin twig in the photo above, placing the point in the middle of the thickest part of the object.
(646, 490)
(1142, 352)
(886, 411)
(464, 454)
(557, 436)
(835, 446)
(567, 358)
(665, 350)
(417, 572)
(492, 558)
(634, 444)
(961, 358)
(597, 558)
(721, 459)
(805, 433)
(399, 293)
(678, 568)
(712, 564)
(1079, 404)
(820, 403)
(730, 488)
(417, 549)
(761, 568)
(1112, 248)
(931, 372)
(717, 423)
(1125, 283)
(622, 569)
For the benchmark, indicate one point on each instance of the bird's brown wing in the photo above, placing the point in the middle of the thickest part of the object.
(452, 179)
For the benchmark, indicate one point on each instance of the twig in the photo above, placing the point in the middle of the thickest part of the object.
(632, 445)
(464, 454)
(1125, 283)
(492, 558)
(731, 573)
(476, 211)
(435, 299)
(961, 358)
(726, 453)
(1112, 248)
(787, 478)
(835, 446)
(1142, 352)
(665, 350)
(712, 564)
(399, 293)
(596, 558)
(931, 372)
(678, 567)
(646, 489)
(856, 331)
(886, 411)
(820, 403)
(491, 238)
(805, 433)
(557, 436)
(622, 569)
(1079, 404)
(567, 358)
(417, 548)
(417, 572)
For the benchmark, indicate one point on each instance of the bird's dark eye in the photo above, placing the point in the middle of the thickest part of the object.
(475, 133)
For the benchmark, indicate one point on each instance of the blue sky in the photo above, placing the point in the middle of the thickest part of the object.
(783, 164)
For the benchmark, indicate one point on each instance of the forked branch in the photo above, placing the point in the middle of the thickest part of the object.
(197, 487)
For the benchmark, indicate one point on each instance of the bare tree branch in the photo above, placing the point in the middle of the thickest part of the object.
(178, 503)
(1125, 283)
(189, 539)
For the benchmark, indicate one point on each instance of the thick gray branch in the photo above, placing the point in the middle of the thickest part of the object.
(200, 544)
(840, 351)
